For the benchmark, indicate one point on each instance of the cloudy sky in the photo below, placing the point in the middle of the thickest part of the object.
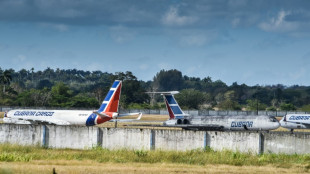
(253, 42)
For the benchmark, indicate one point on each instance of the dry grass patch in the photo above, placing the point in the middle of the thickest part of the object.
(73, 167)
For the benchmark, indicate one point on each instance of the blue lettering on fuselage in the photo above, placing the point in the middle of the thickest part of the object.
(299, 118)
(241, 123)
(33, 113)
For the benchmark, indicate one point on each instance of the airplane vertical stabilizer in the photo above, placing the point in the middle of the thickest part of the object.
(175, 111)
(109, 106)
(111, 101)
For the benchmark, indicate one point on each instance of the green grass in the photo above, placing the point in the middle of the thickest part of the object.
(16, 153)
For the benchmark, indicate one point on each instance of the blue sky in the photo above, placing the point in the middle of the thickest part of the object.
(253, 42)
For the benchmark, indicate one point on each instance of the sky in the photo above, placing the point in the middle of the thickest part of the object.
(265, 42)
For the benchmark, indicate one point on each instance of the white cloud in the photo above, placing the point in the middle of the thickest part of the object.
(144, 67)
(193, 40)
(57, 27)
(164, 65)
(21, 58)
(121, 34)
(298, 74)
(279, 24)
(235, 22)
(94, 67)
(172, 18)
(195, 37)
(21, 61)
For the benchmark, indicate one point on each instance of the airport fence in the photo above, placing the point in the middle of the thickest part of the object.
(213, 112)
(165, 112)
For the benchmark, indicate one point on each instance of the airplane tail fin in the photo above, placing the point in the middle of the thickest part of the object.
(111, 101)
(109, 107)
(174, 110)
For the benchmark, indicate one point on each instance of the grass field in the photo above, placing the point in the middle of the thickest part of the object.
(82, 167)
(28, 159)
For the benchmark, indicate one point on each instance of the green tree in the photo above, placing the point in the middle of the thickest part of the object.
(60, 95)
(191, 98)
(287, 107)
(132, 92)
(229, 105)
(5, 78)
(45, 83)
(271, 108)
(254, 105)
(34, 97)
(168, 80)
(81, 101)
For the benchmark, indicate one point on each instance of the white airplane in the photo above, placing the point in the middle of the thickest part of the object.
(296, 121)
(179, 119)
(107, 111)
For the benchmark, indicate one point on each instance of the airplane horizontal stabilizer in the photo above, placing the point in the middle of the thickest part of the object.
(127, 120)
(164, 93)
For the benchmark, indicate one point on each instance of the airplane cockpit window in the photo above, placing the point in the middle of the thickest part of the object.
(272, 119)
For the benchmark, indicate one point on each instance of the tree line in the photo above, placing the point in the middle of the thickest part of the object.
(74, 88)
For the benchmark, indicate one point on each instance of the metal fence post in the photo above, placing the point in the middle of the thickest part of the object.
(99, 137)
(261, 140)
(45, 135)
(207, 140)
(152, 140)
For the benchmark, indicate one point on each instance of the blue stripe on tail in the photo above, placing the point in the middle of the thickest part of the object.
(109, 95)
(176, 110)
(102, 107)
(170, 99)
(115, 84)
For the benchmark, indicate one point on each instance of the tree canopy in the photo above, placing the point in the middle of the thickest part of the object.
(85, 89)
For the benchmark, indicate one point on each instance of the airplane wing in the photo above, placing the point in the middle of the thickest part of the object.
(127, 120)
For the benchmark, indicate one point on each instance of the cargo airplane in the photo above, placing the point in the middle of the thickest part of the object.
(231, 123)
(296, 121)
(108, 111)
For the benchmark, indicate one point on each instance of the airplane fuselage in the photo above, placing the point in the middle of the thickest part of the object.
(234, 123)
(60, 117)
(296, 121)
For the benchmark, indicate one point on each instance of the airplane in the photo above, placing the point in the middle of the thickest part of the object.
(296, 121)
(177, 118)
(108, 111)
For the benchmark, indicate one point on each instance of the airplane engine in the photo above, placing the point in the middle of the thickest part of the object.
(186, 121)
(179, 121)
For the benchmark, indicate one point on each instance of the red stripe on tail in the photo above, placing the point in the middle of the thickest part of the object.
(113, 104)
(171, 114)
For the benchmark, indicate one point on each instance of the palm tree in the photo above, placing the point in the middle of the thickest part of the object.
(5, 78)
(32, 69)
